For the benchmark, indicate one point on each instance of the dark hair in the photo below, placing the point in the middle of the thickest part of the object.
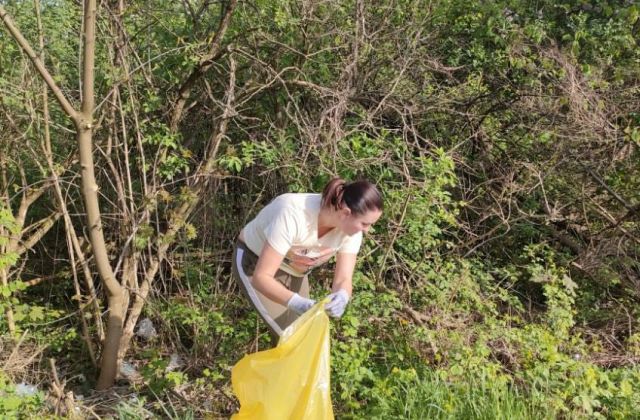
(359, 196)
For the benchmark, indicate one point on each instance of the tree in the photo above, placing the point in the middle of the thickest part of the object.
(123, 312)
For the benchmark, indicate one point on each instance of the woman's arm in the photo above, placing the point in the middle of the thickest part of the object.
(342, 278)
(342, 285)
(263, 276)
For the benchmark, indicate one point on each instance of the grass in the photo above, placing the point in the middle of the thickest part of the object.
(430, 397)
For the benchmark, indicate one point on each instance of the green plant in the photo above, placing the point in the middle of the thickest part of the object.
(157, 376)
(14, 404)
(132, 409)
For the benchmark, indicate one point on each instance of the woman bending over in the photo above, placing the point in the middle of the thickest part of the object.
(294, 234)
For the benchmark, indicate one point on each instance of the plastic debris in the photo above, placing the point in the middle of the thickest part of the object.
(24, 389)
(175, 362)
(290, 381)
(128, 371)
(146, 330)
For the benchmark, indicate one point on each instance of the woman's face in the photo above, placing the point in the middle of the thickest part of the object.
(354, 223)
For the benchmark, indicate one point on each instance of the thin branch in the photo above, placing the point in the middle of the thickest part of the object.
(205, 63)
(24, 44)
(609, 189)
(44, 226)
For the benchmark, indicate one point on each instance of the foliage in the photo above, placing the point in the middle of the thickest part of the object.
(159, 378)
(15, 404)
(24, 314)
(8, 227)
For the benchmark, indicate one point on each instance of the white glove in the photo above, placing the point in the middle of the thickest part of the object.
(300, 305)
(338, 303)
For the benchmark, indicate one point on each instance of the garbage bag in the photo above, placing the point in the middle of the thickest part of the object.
(290, 381)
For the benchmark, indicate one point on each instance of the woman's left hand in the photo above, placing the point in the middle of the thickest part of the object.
(335, 308)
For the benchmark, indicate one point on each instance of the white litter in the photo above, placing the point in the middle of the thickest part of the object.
(146, 330)
(26, 390)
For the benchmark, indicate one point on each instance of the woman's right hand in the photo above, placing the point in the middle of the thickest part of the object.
(299, 304)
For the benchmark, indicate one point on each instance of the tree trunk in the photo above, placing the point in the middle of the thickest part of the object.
(8, 312)
(117, 295)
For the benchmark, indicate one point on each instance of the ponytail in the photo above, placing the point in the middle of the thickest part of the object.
(359, 196)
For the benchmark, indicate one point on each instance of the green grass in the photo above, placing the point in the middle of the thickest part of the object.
(410, 397)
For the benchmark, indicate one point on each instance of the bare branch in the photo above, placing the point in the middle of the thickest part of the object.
(24, 44)
(205, 63)
(43, 226)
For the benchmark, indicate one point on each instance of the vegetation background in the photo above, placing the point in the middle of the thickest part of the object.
(137, 137)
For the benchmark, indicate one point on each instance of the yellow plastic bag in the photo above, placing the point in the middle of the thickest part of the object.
(290, 381)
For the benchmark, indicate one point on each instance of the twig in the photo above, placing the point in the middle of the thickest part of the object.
(15, 349)
(395, 235)
(58, 390)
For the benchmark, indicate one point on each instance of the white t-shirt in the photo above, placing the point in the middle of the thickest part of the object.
(290, 224)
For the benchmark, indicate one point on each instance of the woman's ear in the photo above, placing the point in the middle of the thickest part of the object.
(345, 211)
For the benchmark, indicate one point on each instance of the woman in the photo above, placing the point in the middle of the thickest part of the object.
(296, 233)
